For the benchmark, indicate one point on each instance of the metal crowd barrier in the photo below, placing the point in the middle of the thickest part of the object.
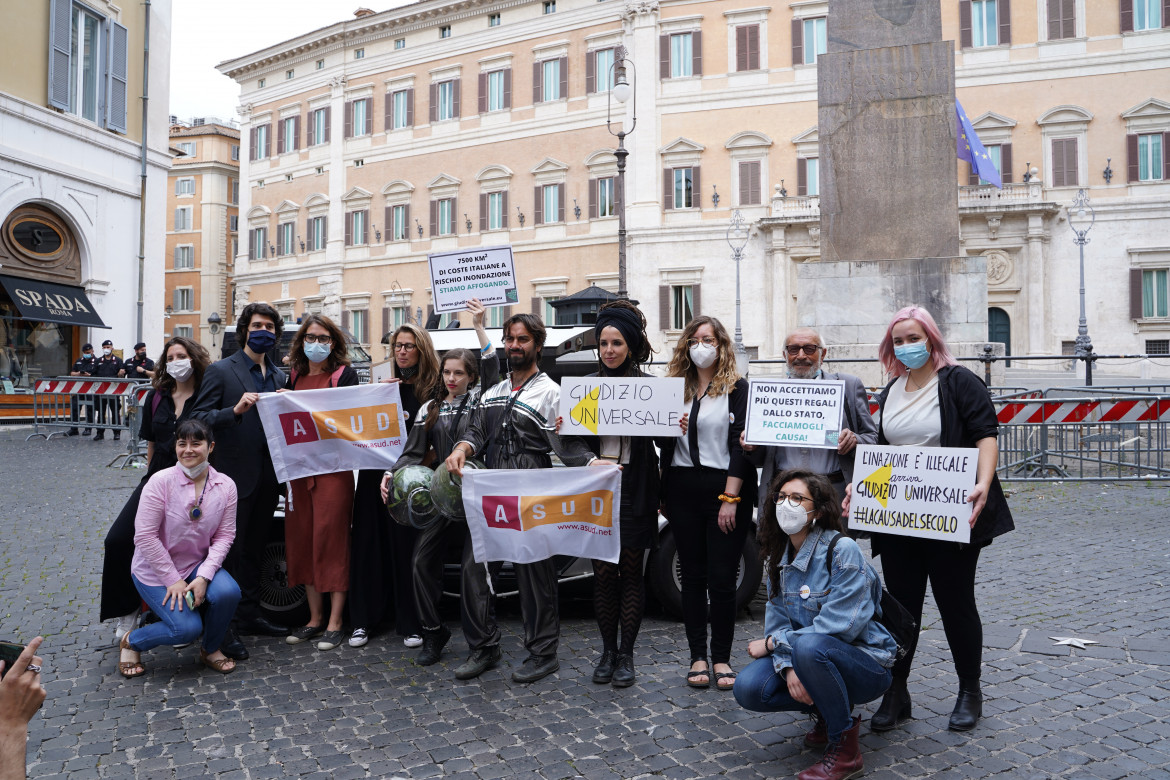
(64, 403)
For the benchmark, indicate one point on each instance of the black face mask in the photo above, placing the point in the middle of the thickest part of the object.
(141, 355)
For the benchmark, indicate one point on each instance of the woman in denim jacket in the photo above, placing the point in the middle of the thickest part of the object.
(823, 650)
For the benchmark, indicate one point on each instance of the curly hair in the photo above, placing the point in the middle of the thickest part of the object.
(252, 309)
(200, 360)
(726, 374)
(773, 541)
(338, 356)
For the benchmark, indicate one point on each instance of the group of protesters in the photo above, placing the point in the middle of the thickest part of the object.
(195, 529)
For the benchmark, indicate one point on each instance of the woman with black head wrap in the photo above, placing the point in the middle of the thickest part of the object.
(619, 589)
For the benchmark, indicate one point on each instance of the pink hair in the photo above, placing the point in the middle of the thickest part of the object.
(939, 352)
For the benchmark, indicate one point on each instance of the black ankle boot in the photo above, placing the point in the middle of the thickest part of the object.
(894, 709)
(968, 707)
(434, 640)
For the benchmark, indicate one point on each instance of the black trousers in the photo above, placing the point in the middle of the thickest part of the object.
(539, 606)
(708, 558)
(76, 404)
(253, 532)
(477, 605)
(428, 573)
(119, 596)
(907, 564)
(109, 410)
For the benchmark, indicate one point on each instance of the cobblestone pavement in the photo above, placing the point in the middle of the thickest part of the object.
(1087, 560)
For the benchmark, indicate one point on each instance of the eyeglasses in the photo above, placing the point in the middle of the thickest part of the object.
(796, 349)
(404, 347)
(708, 340)
(311, 339)
(792, 498)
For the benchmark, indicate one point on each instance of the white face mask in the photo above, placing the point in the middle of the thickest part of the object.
(180, 369)
(194, 472)
(107, 351)
(792, 519)
(703, 355)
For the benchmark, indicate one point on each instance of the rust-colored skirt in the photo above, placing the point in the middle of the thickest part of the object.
(316, 532)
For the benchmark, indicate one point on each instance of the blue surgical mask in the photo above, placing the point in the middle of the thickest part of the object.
(260, 341)
(912, 355)
(317, 353)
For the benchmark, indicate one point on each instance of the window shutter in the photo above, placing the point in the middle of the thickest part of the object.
(177, 300)
(1165, 24)
(178, 187)
(797, 42)
(697, 53)
(279, 136)
(252, 244)
(745, 184)
(972, 176)
(328, 122)
(434, 218)
(507, 87)
(279, 241)
(455, 93)
(60, 46)
(483, 98)
(252, 143)
(1005, 21)
(564, 73)
(965, 24)
(1005, 163)
(536, 73)
(538, 200)
(116, 85)
(667, 188)
(1166, 156)
(385, 321)
(590, 72)
(664, 307)
(483, 212)
(309, 233)
(1131, 157)
(388, 112)
(1057, 164)
(1135, 293)
(1126, 7)
(454, 215)
(388, 223)
(664, 56)
(537, 304)
(1069, 19)
(741, 47)
(1054, 19)
(349, 119)
(345, 318)
(696, 300)
(504, 209)
(696, 189)
(176, 257)
(297, 132)
(801, 177)
(753, 55)
(268, 140)
(365, 226)
(434, 97)
(369, 128)
(410, 107)
(349, 229)
(561, 202)
(593, 199)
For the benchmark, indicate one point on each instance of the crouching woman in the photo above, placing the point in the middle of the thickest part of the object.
(823, 651)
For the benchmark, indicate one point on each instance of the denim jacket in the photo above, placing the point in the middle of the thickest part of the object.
(843, 605)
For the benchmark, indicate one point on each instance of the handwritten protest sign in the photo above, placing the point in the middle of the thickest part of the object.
(486, 273)
(621, 407)
(913, 491)
(794, 412)
(335, 429)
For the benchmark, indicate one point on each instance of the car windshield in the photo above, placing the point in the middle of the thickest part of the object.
(357, 354)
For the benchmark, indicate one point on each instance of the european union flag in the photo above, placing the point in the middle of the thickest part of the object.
(968, 148)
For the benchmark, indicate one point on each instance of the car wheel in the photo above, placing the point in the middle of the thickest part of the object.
(281, 603)
(666, 582)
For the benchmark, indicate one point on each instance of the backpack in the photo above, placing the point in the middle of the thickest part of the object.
(894, 617)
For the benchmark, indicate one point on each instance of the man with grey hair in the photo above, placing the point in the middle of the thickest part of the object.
(805, 351)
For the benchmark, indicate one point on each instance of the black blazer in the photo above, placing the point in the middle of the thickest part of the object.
(967, 416)
(739, 465)
(241, 450)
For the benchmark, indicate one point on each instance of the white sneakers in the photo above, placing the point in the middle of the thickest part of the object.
(414, 640)
(358, 638)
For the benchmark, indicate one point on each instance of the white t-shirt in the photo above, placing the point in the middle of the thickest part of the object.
(714, 421)
(912, 418)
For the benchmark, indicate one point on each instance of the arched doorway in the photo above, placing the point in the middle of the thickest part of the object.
(999, 329)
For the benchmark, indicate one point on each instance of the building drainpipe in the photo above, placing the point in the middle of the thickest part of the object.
(142, 173)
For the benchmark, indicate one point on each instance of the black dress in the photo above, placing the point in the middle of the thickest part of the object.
(119, 596)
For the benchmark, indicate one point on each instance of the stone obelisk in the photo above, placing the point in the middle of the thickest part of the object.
(888, 181)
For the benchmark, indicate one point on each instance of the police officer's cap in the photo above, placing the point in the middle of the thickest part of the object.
(107, 343)
(140, 345)
(84, 347)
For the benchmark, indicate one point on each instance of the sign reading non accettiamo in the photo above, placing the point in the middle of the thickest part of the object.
(486, 273)
(913, 491)
(794, 412)
(606, 406)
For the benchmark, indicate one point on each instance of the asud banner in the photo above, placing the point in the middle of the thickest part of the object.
(529, 515)
(336, 429)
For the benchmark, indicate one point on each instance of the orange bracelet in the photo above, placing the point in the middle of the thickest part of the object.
(729, 499)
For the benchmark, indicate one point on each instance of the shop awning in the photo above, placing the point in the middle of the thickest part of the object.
(51, 302)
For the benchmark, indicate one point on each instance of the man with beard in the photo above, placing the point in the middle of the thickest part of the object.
(140, 367)
(804, 350)
(514, 427)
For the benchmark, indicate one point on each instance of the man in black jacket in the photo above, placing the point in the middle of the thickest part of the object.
(109, 366)
(226, 401)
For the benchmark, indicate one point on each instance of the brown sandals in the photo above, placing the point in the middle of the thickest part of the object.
(223, 665)
(126, 668)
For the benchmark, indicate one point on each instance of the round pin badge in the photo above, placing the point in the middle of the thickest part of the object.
(805, 591)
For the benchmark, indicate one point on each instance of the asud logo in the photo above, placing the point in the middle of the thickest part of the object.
(521, 513)
(362, 423)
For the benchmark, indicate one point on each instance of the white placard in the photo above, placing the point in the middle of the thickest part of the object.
(913, 491)
(486, 273)
(608, 406)
(794, 412)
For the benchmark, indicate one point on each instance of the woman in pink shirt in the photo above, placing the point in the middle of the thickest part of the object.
(184, 528)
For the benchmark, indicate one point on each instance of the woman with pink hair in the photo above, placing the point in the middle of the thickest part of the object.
(934, 402)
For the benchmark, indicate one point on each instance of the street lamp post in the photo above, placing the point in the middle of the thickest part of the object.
(621, 91)
(1080, 218)
(737, 238)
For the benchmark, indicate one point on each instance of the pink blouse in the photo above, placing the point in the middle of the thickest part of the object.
(168, 544)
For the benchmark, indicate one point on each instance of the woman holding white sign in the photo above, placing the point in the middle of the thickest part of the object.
(934, 402)
(706, 478)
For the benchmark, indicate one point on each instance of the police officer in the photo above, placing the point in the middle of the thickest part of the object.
(108, 366)
(84, 366)
(139, 367)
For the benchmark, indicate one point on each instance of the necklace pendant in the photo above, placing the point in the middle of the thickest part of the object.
(195, 513)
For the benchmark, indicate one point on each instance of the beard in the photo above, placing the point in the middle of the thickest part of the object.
(804, 372)
(520, 361)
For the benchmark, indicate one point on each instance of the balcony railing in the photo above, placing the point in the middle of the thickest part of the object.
(981, 196)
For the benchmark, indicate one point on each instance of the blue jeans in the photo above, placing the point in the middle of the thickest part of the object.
(835, 674)
(177, 628)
